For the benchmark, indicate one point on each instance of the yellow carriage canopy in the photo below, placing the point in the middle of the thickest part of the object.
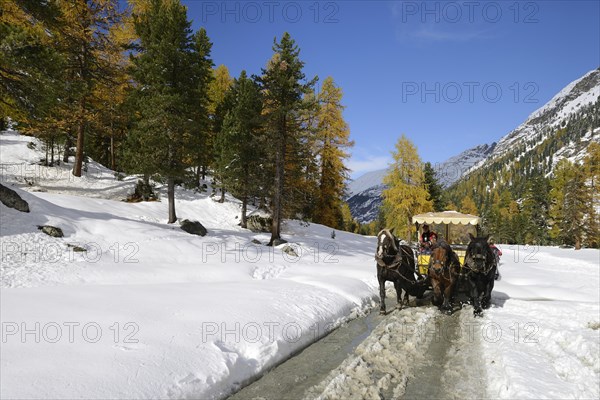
(446, 217)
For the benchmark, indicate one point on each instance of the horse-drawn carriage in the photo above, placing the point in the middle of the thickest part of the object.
(447, 219)
(445, 268)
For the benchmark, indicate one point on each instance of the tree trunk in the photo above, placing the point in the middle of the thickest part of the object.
(222, 199)
(198, 177)
(51, 151)
(113, 164)
(2, 124)
(67, 148)
(279, 182)
(80, 138)
(204, 172)
(171, 196)
(244, 207)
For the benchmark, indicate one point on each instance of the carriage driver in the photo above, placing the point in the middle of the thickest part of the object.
(428, 238)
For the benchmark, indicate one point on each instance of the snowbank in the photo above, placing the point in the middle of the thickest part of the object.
(149, 311)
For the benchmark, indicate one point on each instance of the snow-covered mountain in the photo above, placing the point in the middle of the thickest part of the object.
(542, 125)
(366, 181)
(457, 166)
(576, 98)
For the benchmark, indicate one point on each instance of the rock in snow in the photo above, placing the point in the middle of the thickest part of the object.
(11, 199)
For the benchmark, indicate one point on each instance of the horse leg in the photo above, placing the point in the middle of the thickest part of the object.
(437, 293)
(399, 303)
(487, 298)
(381, 280)
(447, 306)
(475, 297)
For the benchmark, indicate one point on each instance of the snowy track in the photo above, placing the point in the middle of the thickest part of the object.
(415, 353)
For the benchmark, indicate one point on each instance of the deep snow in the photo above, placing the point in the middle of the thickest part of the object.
(149, 311)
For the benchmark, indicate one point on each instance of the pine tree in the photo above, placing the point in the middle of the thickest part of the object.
(202, 137)
(284, 86)
(535, 210)
(217, 109)
(570, 199)
(592, 172)
(332, 141)
(242, 142)
(168, 68)
(31, 67)
(406, 194)
(434, 188)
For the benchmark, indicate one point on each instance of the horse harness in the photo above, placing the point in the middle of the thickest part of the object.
(393, 266)
(450, 260)
(477, 257)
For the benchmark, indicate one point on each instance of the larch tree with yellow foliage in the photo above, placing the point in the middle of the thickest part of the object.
(406, 193)
(333, 140)
(468, 206)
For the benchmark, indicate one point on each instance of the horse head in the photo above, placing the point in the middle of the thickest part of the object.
(479, 255)
(440, 257)
(387, 244)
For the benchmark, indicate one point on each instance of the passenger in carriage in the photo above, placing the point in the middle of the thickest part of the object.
(497, 254)
(428, 239)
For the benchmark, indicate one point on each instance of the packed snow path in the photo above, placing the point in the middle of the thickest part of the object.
(414, 353)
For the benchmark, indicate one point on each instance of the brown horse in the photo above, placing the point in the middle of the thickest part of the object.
(444, 267)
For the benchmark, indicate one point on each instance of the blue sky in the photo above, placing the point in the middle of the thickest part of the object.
(449, 75)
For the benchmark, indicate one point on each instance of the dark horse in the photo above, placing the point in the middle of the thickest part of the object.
(396, 263)
(444, 268)
(479, 271)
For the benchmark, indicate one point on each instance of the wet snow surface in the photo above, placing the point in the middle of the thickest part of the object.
(149, 311)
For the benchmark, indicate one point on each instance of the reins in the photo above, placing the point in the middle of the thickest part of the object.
(393, 267)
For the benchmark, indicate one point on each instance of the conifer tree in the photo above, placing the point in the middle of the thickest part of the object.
(434, 188)
(283, 82)
(468, 206)
(217, 108)
(333, 138)
(535, 210)
(570, 199)
(86, 40)
(168, 68)
(592, 171)
(406, 194)
(31, 67)
(242, 142)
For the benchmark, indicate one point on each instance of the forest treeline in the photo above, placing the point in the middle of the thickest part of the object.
(135, 89)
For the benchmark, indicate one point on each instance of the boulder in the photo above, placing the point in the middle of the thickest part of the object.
(193, 227)
(256, 241)
(256, 223)
(51, 231)
(290, 251)
(11, 199)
